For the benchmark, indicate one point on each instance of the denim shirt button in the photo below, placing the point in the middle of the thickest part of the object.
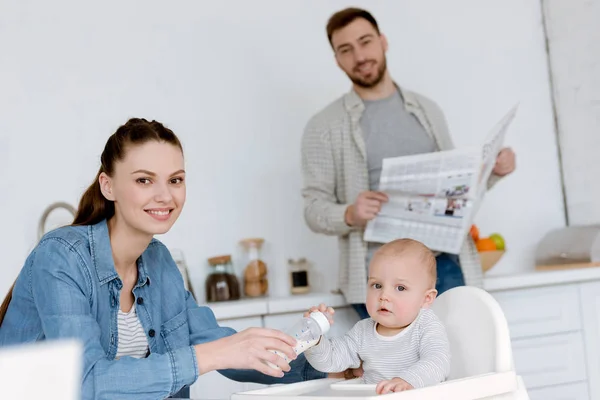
(151, 332)
(140, 300)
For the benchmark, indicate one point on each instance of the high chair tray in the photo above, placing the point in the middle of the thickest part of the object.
(493, 386)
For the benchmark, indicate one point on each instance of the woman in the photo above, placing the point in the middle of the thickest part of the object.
(107, 282)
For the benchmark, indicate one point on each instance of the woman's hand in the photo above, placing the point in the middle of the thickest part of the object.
(248, 349)
(328, 311)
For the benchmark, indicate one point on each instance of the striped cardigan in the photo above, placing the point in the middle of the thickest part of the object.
(334, 167)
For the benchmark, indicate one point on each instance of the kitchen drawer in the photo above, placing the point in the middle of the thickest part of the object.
(572, 391)
(550, 360)
(541, 311)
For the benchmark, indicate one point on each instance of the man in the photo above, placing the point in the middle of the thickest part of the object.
(344, 144)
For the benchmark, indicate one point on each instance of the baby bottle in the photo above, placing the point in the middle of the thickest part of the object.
(307, 333)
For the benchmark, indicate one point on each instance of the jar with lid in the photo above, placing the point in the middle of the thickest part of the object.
(255, 274)
(221, 283)
(299, 275)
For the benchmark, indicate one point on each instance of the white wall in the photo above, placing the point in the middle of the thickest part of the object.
(574, 35)
(237, 81)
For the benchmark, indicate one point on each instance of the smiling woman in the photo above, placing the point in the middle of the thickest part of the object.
(107, 282)
(148, 144)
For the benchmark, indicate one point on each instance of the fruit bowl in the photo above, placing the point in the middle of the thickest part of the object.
(490, 258)
(490, 248)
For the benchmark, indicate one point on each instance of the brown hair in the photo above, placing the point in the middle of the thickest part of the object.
(344, 17)
(93, 206)
(398, 247)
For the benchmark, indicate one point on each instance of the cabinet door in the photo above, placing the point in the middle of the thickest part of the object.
(540, 311)
(590, 309)
(550, 360)
(214, 385)
(573, 391)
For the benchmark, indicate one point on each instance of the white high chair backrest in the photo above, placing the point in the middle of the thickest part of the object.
(477, 331)
(42, 370)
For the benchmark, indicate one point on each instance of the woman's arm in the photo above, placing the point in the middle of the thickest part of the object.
(221, 348)
(62, 291)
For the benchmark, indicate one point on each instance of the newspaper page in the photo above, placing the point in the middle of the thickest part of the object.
(433, 197)
(492, 146)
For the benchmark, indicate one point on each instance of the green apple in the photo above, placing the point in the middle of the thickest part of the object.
(499, 240)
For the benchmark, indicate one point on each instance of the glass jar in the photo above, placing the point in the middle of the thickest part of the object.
(183, 269)
(255, 274)
(299, 275)
(221, 283)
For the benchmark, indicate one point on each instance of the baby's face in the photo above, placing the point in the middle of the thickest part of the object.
(398, 288)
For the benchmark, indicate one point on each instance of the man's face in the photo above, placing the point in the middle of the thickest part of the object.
(360, 52)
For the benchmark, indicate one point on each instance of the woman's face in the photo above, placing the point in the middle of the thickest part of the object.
(147, 187)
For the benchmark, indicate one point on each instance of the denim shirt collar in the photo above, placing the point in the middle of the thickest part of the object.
(101, 253)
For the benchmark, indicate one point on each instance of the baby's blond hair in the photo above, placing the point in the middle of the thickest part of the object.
(401, 247)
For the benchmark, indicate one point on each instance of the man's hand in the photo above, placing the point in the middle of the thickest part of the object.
(393, 385)
(505, 162)
(365, 208)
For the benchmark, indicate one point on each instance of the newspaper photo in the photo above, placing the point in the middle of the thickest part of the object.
(433, 197)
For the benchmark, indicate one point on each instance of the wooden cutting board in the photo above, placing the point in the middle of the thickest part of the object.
(566, 266)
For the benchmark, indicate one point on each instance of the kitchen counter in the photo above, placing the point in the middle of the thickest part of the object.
(535, 278)
(250, 307)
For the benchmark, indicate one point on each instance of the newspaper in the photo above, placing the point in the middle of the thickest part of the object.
(433, 197)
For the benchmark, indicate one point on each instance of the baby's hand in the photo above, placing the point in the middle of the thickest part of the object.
(393, 385)
(328, 311)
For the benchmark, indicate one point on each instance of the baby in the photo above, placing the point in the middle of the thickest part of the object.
(403, 345)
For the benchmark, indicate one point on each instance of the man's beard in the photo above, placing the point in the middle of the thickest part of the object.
(373, 81)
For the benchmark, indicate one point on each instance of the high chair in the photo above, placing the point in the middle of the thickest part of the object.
(481, 366)
(477, 331)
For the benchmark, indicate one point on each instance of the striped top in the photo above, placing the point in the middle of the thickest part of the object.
(420, 354)
(132, 338)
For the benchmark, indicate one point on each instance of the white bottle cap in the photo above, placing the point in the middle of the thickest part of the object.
(322, 320)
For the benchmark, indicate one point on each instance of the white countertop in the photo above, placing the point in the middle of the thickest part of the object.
(252, 307)
(533, 278)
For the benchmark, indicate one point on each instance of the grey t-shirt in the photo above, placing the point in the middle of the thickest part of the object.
(390, 131)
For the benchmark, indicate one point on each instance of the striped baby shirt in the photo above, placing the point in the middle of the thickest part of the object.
(420, 354)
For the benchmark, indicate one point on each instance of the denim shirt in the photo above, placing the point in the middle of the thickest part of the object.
(69, 288)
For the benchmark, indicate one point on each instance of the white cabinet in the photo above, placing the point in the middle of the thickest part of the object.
(573, 391)
(550, 360)
(540, 311)
(590, 309)
(213, 385)
(555, 332)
